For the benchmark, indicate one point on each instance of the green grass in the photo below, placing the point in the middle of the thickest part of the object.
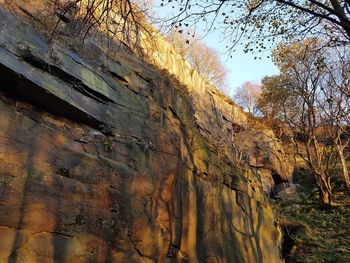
(322, 235)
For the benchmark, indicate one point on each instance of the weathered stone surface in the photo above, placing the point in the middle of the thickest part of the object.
(112, 160)
(286, 191)
(225, 123)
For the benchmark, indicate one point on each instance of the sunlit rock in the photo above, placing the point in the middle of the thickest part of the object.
(113, 160)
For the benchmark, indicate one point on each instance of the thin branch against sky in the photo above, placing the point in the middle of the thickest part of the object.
(241, 66)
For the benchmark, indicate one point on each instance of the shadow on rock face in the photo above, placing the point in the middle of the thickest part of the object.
(122, 167)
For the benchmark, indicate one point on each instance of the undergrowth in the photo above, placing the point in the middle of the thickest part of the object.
(313, 234)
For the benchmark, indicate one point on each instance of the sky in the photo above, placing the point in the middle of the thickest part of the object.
(241, 67)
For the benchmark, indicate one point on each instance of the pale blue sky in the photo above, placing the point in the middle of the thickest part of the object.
(242, 67)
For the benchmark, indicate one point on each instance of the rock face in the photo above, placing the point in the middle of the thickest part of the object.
(229, 130)
(108, 159)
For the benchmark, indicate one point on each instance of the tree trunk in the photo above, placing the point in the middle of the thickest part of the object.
(325, 189)
(323, 181)
(339, 12)
(345, 167)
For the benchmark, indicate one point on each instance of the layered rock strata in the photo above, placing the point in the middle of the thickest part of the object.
(110, 159)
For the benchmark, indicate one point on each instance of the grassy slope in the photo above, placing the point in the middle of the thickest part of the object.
(316, 235)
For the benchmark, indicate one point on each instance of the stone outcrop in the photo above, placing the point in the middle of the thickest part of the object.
(230, 130)
(110, 159)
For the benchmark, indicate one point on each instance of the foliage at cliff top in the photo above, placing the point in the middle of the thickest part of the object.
(262, 22)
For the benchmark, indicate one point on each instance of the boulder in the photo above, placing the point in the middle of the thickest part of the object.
(286, 191)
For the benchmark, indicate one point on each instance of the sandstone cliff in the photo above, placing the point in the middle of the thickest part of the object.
(110, 159)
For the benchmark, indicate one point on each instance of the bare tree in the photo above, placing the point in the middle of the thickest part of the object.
(247, 96)
(124, 20)
(341, 141)
(322, 75)
(303, 83)
(204, 59)
(335, 105)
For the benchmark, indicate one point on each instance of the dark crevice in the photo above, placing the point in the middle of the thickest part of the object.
(225, 119)
(133, 91)
(19, 88)
(58, 233)
(63, 17)
(289, 232)
(63, 172)
(204, 129)
(53, 70)
(80, 141)
(277, 179)
(173, 112)
(288, 244)
(144, 78)
(26, 12)
(121, 78)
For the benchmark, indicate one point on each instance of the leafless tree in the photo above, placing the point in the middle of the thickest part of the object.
(302, 83)
(247, 96)
(204, 59)
(335, 105)
(124, 20)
